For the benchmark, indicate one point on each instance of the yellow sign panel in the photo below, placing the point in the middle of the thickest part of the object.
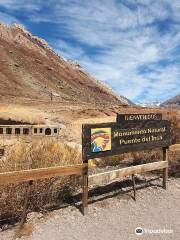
(100, 139)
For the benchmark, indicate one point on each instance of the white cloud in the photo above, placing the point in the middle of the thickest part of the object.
(8, 19)
(25, 5)
(68, 51)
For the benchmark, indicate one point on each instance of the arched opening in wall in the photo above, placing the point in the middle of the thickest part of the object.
(17, 130)
(25, 131)
(48, 131)
(8, 130)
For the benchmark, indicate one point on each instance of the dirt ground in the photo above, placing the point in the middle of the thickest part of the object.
(112, 217)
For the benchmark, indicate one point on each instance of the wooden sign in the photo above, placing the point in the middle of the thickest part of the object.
(131, 132)
(138, 117)
(100, 140)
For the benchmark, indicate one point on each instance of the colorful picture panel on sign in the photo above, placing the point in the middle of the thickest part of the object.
(100, 139)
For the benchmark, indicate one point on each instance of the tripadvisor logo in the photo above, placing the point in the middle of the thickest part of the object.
(139, 231)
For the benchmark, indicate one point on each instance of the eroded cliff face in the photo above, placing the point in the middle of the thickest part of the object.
(30, 69)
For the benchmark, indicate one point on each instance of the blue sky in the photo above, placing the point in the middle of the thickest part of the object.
(132, 45)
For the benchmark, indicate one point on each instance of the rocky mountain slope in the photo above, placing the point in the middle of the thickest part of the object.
(173, 101)
(31, 70)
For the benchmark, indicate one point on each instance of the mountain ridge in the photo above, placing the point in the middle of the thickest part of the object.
(30, 69)
(174, 102)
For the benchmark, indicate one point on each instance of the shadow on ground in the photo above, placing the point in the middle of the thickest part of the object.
(121, 189)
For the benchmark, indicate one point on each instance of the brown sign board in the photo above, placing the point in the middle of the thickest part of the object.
(131, 132)
(107, 139)
(138, 117)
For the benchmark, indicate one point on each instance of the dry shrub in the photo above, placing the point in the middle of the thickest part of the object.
(157, 155)
(147, 156)
(45, 193)
(113, 160)
(40, 154)
(142, 157)
(175, 130)
(174, 163)
(174, 155)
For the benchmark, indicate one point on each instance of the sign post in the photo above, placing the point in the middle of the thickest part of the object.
(131, 132)
(165, 170)
(84, 181)
(85, 188)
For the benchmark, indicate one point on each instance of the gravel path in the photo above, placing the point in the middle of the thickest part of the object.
(114, 218)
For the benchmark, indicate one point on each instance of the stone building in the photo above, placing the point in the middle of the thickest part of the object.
(35, 130)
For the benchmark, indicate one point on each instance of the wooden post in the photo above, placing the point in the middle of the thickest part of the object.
(134, 186)
(26, 203)
(165, 170)
(84, 178)
(85, 188)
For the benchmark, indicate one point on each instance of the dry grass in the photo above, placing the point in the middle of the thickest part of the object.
(174, 163)
(142, 157)
(175, 129)
(21, 113)
(147, 156)
(40, 154)
(44, 193)
(112, 161)
(94, 120)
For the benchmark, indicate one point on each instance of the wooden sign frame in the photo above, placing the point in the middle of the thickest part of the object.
(123, 127)
(131, 131)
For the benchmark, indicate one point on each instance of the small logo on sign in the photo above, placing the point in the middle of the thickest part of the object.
(100, 139)
(139, 231)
